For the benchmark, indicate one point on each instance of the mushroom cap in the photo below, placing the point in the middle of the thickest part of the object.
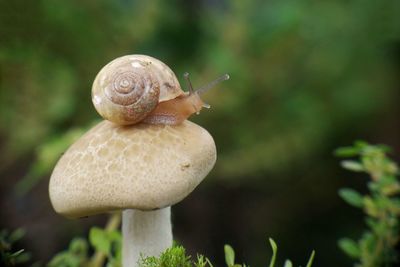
(141, 167)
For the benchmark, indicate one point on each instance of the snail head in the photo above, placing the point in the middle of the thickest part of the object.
(194, 95)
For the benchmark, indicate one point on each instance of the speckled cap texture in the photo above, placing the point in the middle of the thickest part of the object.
(131, 167)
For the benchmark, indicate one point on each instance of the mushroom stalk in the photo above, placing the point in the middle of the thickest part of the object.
(146, 233)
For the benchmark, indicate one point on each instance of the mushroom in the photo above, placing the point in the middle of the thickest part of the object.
(142, 170)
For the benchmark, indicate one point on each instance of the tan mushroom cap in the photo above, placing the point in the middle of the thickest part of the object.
(133, 167)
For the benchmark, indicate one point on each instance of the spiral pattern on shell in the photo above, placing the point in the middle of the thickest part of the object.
(130, 86)
(125, 91)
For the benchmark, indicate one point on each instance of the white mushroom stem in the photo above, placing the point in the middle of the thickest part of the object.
(145, 232)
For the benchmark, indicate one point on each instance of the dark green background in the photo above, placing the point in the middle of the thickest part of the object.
(306, 77)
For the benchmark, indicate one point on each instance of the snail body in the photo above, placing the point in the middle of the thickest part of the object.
(136, 88)
(176, 110)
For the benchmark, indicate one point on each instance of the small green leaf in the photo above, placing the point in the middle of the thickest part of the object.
(274, 252)
(352, 197)
(229, 255)
(347, 152)
(16, 254)
(78, 246)
(350, 247)
(311, 259)
(288, 263)
(23, 257)
(370, 207)
(16, 235)
(352, 165)
(384, 148)
(391, 189)
(114, 235)
(98, 238)
(361, 144)
(201, 261)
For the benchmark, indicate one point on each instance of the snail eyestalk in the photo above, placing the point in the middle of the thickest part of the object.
(207, 87)
(194, 93)
(204, 88)
(186, 76)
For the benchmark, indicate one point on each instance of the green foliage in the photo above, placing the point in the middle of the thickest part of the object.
(377, 246)
(108, 242)
(311, 259)
(229, 255)
(352, 197)
(274, 252)
(287, 263)
(350, 247)
(75, 256)
(8, 255)
(176, 257)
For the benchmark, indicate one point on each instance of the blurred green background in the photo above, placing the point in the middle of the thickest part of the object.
(306, 77)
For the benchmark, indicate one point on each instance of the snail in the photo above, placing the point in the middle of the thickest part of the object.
(139, 88)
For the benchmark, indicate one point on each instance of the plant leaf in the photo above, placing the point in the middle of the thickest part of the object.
(288, 263)
(352, 197)
(352, 165)
(229, 255)
(99, 239)
(350, 247)
(274, 252)
(311, 259)
(347, 152)
(17, 253)
(16, 235)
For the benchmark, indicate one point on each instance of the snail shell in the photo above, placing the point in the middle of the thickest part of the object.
(129, 88)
